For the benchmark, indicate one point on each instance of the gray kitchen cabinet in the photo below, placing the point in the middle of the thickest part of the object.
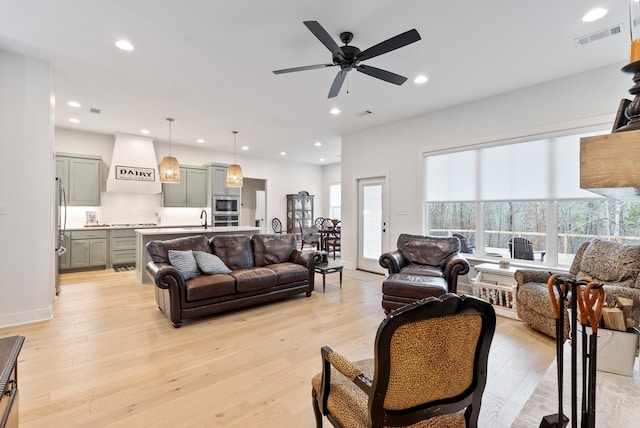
(81, 179)
(219, 187)
(122, 247)
(190, 192)
(88, 248)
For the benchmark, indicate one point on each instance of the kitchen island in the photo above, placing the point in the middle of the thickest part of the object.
(144, 236)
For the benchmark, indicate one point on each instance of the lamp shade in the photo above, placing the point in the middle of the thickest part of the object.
(169, 170)
(234, 176)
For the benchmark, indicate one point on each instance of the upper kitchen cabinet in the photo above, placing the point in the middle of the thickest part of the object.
(80, 178)
(190, 192)
(218, 174)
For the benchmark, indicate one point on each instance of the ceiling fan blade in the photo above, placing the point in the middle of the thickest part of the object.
(337, 84)
(324, 37)
(389, 45)
(306, 67)
(385, 75)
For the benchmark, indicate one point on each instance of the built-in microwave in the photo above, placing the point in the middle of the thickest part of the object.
(225, 205)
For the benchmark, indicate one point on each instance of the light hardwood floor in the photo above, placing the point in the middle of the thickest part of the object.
(110, 358)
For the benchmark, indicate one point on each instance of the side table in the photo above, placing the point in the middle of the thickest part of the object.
(325, 268)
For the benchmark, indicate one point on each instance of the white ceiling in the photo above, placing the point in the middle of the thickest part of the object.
(208, 63)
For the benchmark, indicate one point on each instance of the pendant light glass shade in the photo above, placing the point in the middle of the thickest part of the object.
(234, 171)
(169, 166)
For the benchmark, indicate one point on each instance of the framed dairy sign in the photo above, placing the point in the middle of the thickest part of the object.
(135, 173)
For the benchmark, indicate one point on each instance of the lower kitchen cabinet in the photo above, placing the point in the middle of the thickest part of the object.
(123, 247)
(88, 248)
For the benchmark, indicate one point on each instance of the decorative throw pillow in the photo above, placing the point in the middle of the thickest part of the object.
(185, 262)
(210, 263)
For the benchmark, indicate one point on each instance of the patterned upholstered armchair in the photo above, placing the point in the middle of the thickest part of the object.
(429, 369)
(615, 265)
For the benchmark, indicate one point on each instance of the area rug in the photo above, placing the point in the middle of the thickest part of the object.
(362, 275)
(616, 397)
(126, 268)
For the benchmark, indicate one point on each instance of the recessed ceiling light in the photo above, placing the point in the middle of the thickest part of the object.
(318, 144)
(283, 153)
(74, 120)
(74, 104)
(321, 159)
(245, 148)
(421, 79)
(144, 131)
(335, 110)
(200, 140)
(594, 14)
(125, 45)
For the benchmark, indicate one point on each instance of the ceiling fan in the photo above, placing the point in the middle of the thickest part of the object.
(349, 57)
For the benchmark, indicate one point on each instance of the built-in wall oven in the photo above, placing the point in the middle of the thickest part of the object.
(225, 211)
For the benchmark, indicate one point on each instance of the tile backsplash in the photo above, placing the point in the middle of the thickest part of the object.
(134, 208)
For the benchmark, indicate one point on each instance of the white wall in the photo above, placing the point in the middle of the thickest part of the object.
(27, 227)
(282, 177)
(396, 150)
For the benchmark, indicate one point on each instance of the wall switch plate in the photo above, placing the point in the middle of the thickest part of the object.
(3, 208)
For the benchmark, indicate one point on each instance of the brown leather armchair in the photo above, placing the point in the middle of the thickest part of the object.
(422, 266)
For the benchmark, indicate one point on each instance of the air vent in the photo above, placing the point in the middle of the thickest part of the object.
(598, 35)
(94, 110)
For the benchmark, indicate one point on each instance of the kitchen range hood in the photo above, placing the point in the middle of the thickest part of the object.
(610, 165)
(134, 167)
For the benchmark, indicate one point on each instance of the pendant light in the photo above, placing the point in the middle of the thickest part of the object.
(234, 172)
(169, 166)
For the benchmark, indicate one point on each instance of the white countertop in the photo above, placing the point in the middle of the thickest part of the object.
(196, 230)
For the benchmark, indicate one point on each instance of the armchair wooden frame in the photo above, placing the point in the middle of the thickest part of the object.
(469, 400)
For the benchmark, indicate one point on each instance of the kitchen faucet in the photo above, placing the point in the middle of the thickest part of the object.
(204, 213)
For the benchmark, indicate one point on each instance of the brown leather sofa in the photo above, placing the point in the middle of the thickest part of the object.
(263, 268)
(422, 266)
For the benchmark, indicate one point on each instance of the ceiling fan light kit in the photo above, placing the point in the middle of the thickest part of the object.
(348, 57)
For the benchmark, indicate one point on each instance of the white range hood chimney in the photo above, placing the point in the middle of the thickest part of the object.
(133, 168)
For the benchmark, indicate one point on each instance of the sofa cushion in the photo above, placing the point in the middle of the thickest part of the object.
(209, 286)
(289, 272)
(254, 279)
(428, 250)
(185, 262)
(159, 250)
(270, 249)
(611, 263)
(234, 250)
(210, 263)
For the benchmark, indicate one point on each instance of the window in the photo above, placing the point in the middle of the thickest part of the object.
(459, 218)
(515, 229)
(335, 198)
(522, 201)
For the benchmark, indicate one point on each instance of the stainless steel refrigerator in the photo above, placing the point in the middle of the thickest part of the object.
(61, 227)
